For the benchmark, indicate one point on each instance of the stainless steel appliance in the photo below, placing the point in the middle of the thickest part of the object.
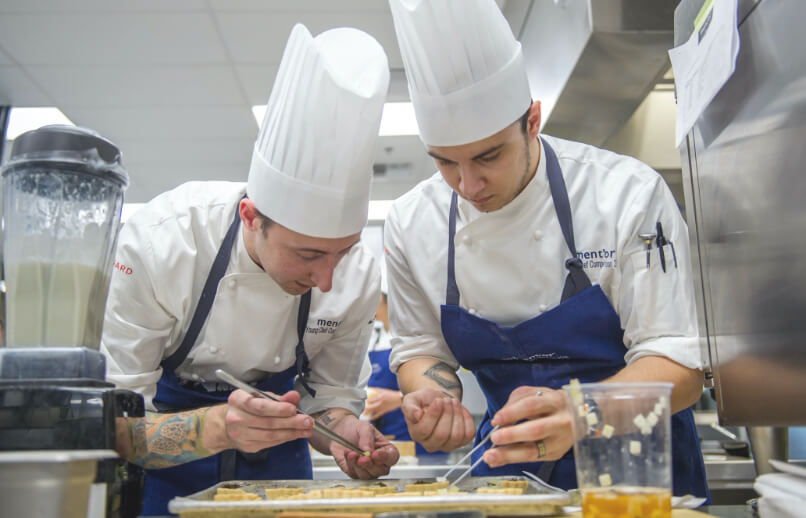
(743, 174)
(63, 192)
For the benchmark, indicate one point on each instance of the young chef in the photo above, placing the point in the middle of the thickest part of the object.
(521, 259)
(265, 280)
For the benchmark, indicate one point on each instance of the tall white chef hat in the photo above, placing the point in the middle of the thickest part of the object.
(466, 74)
(312, 161)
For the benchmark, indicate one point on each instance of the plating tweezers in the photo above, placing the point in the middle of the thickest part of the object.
(468, 470)
(317, 426)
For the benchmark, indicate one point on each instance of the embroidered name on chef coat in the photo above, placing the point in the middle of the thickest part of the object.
(601, 258)
(324, 326)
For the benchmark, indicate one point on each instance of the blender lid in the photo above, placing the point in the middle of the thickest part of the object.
(72, 147)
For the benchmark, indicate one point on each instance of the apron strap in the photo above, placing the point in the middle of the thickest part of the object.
(576, 280)
(303, 364)
(217, 271)
(452, 293)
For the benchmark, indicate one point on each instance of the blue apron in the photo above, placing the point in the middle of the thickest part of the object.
(290, 460)
(391, 423)
(551, 349)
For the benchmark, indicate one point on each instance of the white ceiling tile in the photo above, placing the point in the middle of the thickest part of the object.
(261, 38)
(398, 87)
(4, 59)
(255, 38)
(137, 85)
(149, 180)
(178, 151)
(93, 39)
(51, 6)
(257, 80)
(17, 89)
(167, 122)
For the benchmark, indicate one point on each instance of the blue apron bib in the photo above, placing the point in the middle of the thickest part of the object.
(390, 423)
(290, 460)
(551, 349)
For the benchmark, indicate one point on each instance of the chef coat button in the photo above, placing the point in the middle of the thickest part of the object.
(466, 240)
(213, 349)
(542, 307)
(277, 359)
(538, 235)
(195, 376)
(231, 284)
(473, 311)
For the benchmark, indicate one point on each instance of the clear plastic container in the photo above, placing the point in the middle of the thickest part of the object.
(623, 448)
(62, 196)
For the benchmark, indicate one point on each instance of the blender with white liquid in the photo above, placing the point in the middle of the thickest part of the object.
(63, 192)
(62, 197)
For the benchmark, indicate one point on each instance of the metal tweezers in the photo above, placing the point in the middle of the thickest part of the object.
(468, 470)
(317, 426)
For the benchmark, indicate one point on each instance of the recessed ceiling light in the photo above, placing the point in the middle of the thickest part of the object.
(21, 120)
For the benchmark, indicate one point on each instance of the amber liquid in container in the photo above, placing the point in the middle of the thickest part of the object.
(627, 502)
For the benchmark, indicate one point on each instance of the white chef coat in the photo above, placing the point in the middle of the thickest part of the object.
(163, 257)
(510, 263)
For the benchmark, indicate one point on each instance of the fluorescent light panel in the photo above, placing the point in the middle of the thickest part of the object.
(378, 209)
(21, 120)
(397, 119)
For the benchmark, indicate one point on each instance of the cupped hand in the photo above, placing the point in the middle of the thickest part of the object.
(437, 421)
(382, 454)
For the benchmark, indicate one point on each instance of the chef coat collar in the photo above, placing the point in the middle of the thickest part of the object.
(536, 188)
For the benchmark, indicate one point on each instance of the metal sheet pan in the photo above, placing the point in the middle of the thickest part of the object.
(534, 501)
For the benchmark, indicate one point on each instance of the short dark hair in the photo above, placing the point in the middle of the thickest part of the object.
(265, 221)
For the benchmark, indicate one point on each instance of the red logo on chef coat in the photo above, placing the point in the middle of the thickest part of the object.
(122, 268)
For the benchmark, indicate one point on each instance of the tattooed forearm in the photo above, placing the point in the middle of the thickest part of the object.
(165, 440)
(444, 376)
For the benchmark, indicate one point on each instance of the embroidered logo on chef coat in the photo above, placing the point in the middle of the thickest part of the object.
(601, 258)
(324, 326)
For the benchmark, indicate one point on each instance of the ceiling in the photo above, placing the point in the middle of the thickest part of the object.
(172, 82)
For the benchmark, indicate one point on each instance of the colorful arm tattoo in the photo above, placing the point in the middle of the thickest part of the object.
(166, 440)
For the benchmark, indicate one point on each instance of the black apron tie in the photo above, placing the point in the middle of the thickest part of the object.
(303, 368)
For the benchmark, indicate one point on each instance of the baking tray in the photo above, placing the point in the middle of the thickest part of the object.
(534, 501)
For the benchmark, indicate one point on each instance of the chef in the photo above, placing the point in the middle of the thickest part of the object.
(521, 260)
(266, 280)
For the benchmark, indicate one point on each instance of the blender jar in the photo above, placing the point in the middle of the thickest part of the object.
(62, 196)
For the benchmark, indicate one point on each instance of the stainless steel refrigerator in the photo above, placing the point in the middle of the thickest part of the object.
(744, 173)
